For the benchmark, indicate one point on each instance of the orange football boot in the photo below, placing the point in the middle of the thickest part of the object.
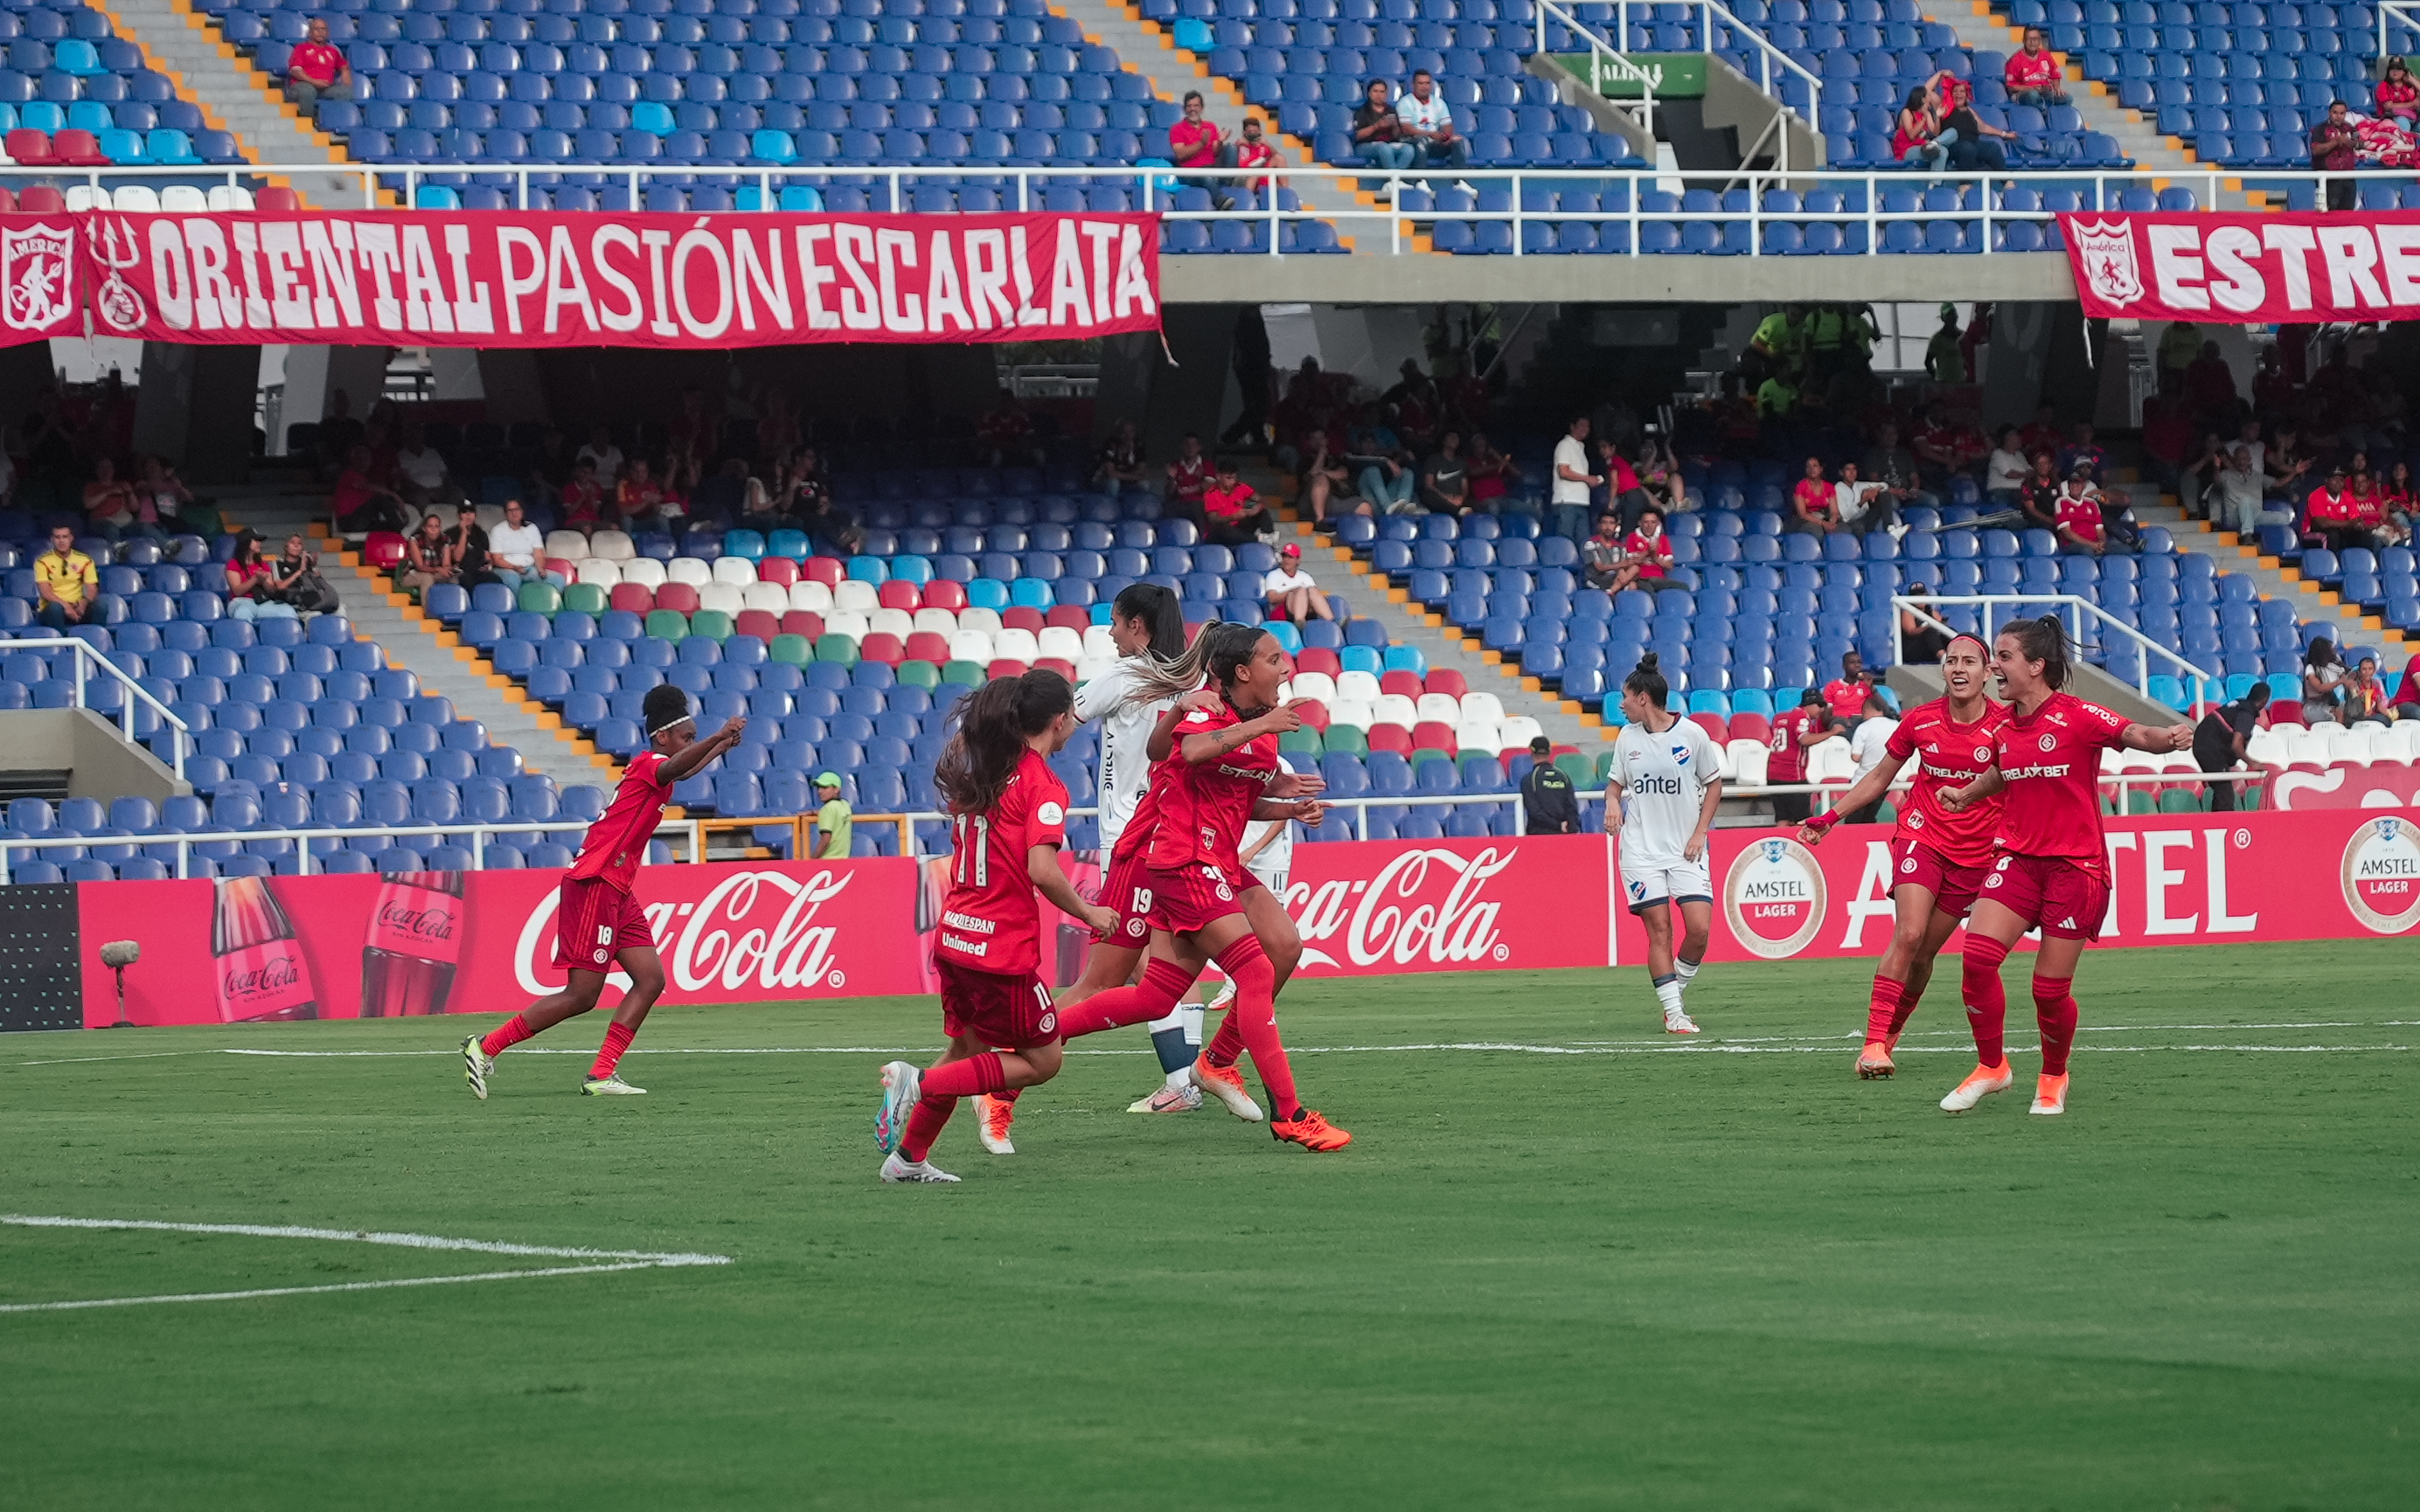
(1312, 1131)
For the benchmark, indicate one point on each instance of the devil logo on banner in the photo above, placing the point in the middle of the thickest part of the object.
(37, 281)
(120, 249)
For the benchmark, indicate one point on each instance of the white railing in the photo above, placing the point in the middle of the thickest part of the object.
(186, 840)
(2096, 190)
(1606, 63)
(87, 657)
(1711, 14)
(2077, 610)
(2405, 12)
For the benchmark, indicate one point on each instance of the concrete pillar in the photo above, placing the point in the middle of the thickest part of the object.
(24, 373)
(313, 376)
(195, 407)
(2023, 335)
(1166, 400)
(509, 380)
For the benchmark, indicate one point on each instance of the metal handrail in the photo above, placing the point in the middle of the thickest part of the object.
(1603, 58)
(2405, 12)
(84, 651)
(2078, 607)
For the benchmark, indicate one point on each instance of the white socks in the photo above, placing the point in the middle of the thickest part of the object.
(1188, 1017)
(1686, 971)
(1668, 991)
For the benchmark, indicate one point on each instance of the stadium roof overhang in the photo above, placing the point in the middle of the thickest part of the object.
(1429, 278)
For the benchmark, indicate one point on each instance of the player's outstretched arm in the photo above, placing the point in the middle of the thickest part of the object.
(1041, 867)
(1210, 746)
(1865, 790)
(697, 753)
(2161, 738)
(1163, 734)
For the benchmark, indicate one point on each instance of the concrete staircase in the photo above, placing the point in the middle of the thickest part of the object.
(2345, 624)
(180, 42)
(419, 644)
(1978, 28)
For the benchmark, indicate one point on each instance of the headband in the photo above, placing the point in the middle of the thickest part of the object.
(1969, 635)
(653, 730)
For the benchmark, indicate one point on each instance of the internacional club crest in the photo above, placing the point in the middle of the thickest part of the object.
(37, 276)
(2107, 248)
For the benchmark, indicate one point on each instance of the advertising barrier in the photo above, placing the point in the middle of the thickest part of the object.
(2296, 268)
(544, 279)
(265, 948)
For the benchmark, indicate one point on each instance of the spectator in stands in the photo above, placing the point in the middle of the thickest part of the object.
(1917, 131)
(1776, 398)
(1863, 507)
(2363, 510)
(2276, 392)
(2397, 97)
(1291, 592)
(1445, 478)
(2210, 387)
(2329, 511)
(2220, 739)
(1004, 436)
(64, 581)
(1253, 150)
(1383, 474)
(2364, 696)
(2004, 473)
(1658, 471)
(688, 441)
(1195, 139)
(1573, 480)
(294, 586)
(2046, 433)
(1425, 121)
(807, 499)
(1944, 446)
(1189, 478)
(466, 550)
(1622, 493)
(1920, 642)
(726, 495)
(339, 433)
(515, 547)
(317, 68)
(1326, 483)
(2169, 425)
(601, 451)
(1235, 511)
(247, 578)
(2039, 502)
(2395, 498)
(1893, 465)
(1794, 731)
(831, 834)
(422, 471)
(1493, 474)
(2240, 503)
(641, 498)
(1414, 407)
(2406, 693)
(426, 561)
(1650, 553)
(2323, 675)
(1603, 561)
(1877, 722)
(778, 433)
(1120, 468)
(1845, 695)
(1813, 503)
(1378, 132)
(1945, 355)
(2034, 76)
(172, 504)
(2285, 465)
(1974, 143)
(2336, 149)
(583, 498)
(2083, 451)
(110, 510)
(2080, 529)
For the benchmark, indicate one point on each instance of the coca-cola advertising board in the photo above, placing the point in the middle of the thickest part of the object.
(1383, 907)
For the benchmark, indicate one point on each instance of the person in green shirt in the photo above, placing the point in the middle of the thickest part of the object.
(1944, 361)
(1776, 398)
(829, 837)
(1780, 346)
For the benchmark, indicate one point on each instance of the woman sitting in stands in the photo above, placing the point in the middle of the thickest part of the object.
(583, 499)
(362, 504)
(642, 499)
(1918, 129)
(426, 562)
(2398, 97)
(247, 578)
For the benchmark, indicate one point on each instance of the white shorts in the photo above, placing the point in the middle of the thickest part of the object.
(1670, 879)
(1274, 881)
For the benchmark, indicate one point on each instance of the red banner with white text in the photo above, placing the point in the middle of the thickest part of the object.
(543, 279)
(2239, 268)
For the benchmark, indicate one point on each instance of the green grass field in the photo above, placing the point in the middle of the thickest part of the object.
(1649, 1276)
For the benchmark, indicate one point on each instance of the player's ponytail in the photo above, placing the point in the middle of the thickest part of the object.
(988, 729)
(1647, 681)
(2045, 640)
(1158, 609)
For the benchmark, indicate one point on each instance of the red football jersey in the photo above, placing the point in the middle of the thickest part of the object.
(618, 841)
(992, 918)
(2051, 761)
(1949, 755)
(1145, 822)
(1208, 804)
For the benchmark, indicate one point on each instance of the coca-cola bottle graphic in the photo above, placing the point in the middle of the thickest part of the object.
(415, 942)
(254, 957)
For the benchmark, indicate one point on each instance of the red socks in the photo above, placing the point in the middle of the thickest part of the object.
(1254, 1018)
(1226, 1047)
(2054, 1011)
(510, 1032)
(971, 1077)
(609, 1055)
(1882, 1014)
(1906, 1009)
(1987, 1001)
(925, 1126)
(1163, 982)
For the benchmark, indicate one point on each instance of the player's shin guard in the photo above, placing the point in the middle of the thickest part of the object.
(1168, 1042)
(1254, 1018)
(1881, 1012)
(1163, 982)
(2054, 1011)
(1987, 1001)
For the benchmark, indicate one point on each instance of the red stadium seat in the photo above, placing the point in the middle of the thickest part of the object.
(805, 621)
(1431, 734)
(1005, 667)
(1400, 681)
(898, 592)
(1317, 659)
(883, 648)
(8, 202)
(924, 645)
(28, 148)
(39, 199)
(825, 570)
(1751, 727)
(1392, 737)
(781, 570)
(383, 550)
(637, 598)
(271, 199)
(679, 597)
(1314, 714)
(2285, 711)
(1053, 664)
(72, 148)
(941, 593)
(758, 623)
(570, 570)
(1021, 617)
(1712, 724)
(1069, 617)
(1446, 680)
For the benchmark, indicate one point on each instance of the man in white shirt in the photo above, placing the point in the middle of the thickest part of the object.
(2241, 488)
(608, 458)
(1864, 506)
(425, 480)
(1571, 482)
(1426, 121)
(1292, 592)
(515, 548)
(1868, 746)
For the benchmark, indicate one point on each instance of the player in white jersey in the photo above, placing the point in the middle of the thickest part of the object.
(1664, 788)
(1268, 854)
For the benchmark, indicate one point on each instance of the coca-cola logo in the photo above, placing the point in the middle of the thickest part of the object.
(1423, 905)
(431, 923)
(754, 930)
(274, 975)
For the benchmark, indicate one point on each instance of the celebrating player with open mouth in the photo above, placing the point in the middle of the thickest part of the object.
(1661, 798)
(1008, 817)
(1938, 857)
(2053, 870)
(1221, 773)
(598, 922)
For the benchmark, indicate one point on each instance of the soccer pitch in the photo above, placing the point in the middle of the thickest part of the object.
(1566, 1261)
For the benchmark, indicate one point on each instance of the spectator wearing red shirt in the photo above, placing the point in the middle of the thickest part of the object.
(2079, 516)
(1793, 731)
(2210, 384)
(2168, 429)
(1189, 478)
(1651, 550)
(316, 68)
(1196, 141)
(1235, 511)
(1810, 503)
(2336, 149)
(2397, 97)
(2034, 76)
(1254, 151)
(2044, 434)
(2334, 514)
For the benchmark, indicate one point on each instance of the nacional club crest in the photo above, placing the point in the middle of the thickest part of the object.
(2381, 875)
(37, 276)
(1773, 899)
(2106, 250)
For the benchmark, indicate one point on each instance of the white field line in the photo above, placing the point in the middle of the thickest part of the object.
(304, 1292)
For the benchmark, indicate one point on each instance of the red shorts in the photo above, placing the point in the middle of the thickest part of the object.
(594, 922)
(1953, 886)
(1125, 892)
(2065, 901)
(1006, 1012)
(1192, 898)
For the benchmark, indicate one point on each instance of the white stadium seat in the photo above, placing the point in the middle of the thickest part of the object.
(1439, 708)
(228, 197)
(847, 622)
(569, 545)
(1518, 732)
(970, 645)
(941, 622)
(1315, 685)
(612, 545)
(644, 571)
(598, 571)
(1747, 760)
(1479, 735)
(1481, 708)
(1828, 761)
(1094, 666)
(772, 597)
(1355, 712)
(1016, 645)
(984, 620)
(896, 622)
(1394, 708)
(810, 597)
(1062, 642)
(186, 199)
(722, 599)
(1098, 644)
(855, 596)
(737, 571)
(1361, 685)
(689, 570)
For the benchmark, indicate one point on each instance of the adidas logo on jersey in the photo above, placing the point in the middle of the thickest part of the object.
(2068, 922)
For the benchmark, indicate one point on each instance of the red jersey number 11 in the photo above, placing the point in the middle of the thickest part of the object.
(970, 838)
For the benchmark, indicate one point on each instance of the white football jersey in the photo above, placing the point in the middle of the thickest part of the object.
(1275, 857)
(1126, 765)
(1663, 780)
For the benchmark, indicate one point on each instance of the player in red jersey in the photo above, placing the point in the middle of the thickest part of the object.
(1008, 819)
(599, 924)
(2052, 868)
(1938, 859)
(1220, 773)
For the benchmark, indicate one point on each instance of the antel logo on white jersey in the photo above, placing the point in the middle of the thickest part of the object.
(1772, 898)
(1422, 906)
(2382, 874)
(754, 926)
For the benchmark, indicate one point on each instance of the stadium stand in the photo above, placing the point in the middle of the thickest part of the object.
(75, 95)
